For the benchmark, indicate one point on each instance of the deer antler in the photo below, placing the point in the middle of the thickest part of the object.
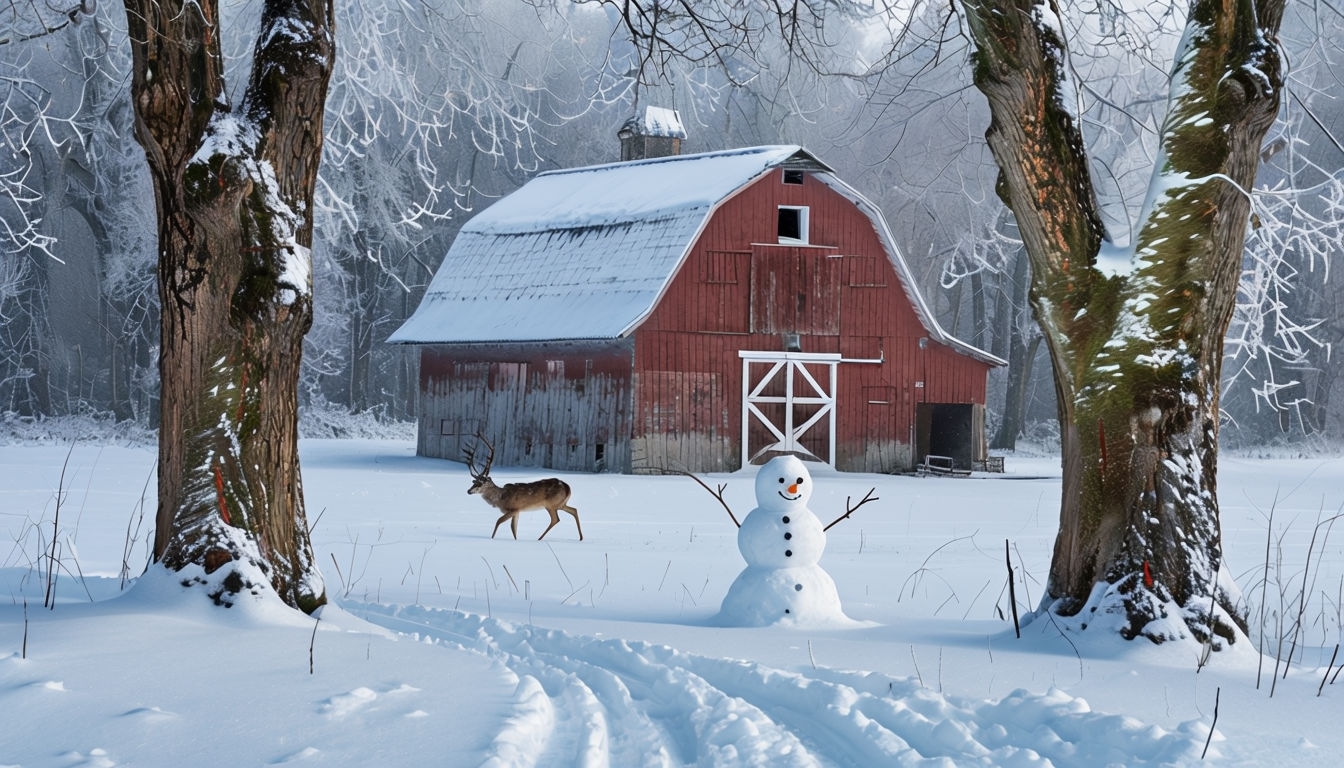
(851, 510)
(470, 454)
(716, 494)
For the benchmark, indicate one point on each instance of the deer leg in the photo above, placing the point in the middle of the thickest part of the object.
(575, 513)
(555, 518)
(513, 524)
(501, 519)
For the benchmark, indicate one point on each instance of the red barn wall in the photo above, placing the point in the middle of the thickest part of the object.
(741, 290)
(562, 405)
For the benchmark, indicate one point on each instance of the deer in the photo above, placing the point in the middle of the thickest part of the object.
(550, 494)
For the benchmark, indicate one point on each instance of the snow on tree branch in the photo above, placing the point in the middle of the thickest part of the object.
(29, 21)
(25, 126)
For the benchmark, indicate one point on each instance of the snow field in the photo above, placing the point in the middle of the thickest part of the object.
(446, 647)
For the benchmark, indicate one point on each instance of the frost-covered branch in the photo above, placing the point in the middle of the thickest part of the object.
(25, 110)
(1279, 328)
(30, 20)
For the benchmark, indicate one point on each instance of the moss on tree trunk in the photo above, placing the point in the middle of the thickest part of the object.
(1136, 355)
(234, 193)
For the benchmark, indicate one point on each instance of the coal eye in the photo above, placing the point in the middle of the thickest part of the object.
(781, 481)
(800, 481)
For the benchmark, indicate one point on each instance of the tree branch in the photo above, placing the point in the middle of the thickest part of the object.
(72, 16)
(1021, 66)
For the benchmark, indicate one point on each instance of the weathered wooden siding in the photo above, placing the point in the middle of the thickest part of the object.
(740, 289)
(561, 405)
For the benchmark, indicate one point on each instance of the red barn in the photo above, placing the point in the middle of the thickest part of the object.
(695, 313)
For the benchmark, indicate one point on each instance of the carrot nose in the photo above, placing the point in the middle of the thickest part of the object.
(793, 488)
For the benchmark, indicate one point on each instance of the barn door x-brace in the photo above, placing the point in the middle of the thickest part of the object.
(788, 381)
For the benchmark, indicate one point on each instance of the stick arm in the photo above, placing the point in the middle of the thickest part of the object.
(716, 494)
(867, 497)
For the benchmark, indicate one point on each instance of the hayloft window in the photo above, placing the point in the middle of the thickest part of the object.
(792, 224)
(793, 176)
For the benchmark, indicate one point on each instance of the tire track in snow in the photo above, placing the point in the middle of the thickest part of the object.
(621, 703)
(656, 714)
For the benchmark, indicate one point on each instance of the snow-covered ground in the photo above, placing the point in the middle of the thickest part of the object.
(444, 647)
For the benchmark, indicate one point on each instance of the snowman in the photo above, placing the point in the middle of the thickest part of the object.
(782, 541)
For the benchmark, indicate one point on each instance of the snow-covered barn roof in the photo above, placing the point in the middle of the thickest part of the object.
(585, 253)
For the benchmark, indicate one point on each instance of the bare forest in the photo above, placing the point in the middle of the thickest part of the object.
(434, 110)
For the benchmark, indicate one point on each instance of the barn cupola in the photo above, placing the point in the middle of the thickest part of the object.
(656, 133)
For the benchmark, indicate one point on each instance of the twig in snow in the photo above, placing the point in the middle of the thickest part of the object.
(490, 571)
(965, 615)
(1333, 656)
(1049, 612)
(571, 594)
(313, 525)
(689, 596)
(1217, 692)
(339, 575)
(312, 641)
(1026, 577)
(137, 517)
(421, 573)
(50, 600)
(562, 567)
(1012, 589)
(1306, 572)
(1264, 586)
(923, 567)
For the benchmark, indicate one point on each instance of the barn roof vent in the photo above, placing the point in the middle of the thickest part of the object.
(656, 133)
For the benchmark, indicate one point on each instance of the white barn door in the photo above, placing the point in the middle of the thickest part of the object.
(791, 395)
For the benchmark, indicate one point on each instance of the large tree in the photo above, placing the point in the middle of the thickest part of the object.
(1136, 336)
(233, 188)
(1135, 324)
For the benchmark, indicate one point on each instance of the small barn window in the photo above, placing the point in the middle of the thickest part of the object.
(793, 176)
(792, 224)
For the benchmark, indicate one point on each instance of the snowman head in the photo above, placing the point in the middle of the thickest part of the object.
(783, 482)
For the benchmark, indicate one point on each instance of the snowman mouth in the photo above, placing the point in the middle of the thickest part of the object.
(787, 497)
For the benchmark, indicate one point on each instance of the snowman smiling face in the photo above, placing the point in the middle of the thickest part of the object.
(784, 478)
(791, 492)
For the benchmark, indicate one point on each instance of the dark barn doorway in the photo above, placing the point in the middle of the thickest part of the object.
(946, 429)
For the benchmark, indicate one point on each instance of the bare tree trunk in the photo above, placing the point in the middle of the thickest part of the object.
(979, 313)
(363, 318)
(234, 195)
(25, 361)
(1136, 353)
(1019, 359)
